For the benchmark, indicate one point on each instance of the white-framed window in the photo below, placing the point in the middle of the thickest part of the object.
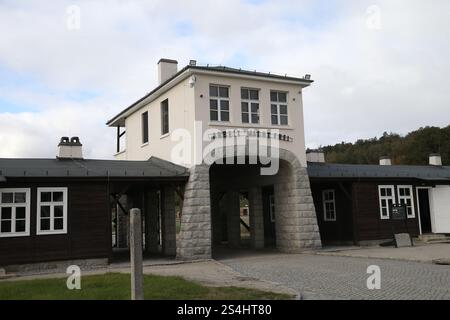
(250, 105)
(219, 103)
(386, 195)
(405, 197)
(51, 211)
(329, 205)
(165, 117)
(144, 122)
(279, 108)
(14, 212)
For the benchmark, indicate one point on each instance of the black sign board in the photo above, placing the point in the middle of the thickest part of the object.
(398, 212)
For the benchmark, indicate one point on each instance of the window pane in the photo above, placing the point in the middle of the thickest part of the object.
(224, 116)
(274, 120)
(383, 203)
(58, 224)
(245, 117)
(144, 132)
(213, 104)
(46, 197)
(58, 211)
(20, 197)
(7, 197)
(213, 91)
(45, 211)
(244, 106)
(407, 192)
(224, 105)
(254, 94)
(244, 94)
(283, 120)
(213, 115)
(45, 224)
(20, 213)
(57, 197)
(273, 109)
(273, 96)
(283, 109)
(401, 191)
(5, 226)
(384, 212)
(6, 213)
(389, 192)
(282, 97)
(383, 192)
(255, 118)
(20, 225)
(255, 107)
(223, 92)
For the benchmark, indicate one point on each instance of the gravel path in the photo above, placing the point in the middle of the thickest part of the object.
(330, 277)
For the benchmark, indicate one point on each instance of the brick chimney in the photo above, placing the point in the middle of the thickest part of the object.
(70, 148)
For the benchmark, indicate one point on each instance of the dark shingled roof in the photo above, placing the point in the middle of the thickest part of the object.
(59, 168)
(333, 171)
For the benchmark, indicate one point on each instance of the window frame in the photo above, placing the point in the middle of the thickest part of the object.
(411, 197)
(324, 204)
(13, 207)
(249, 102)
(52, 205)
(145, 137)
(278, 105)
(219, 99)
(164, 115)
(380, 198)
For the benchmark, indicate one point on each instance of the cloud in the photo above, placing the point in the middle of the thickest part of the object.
(393, 77)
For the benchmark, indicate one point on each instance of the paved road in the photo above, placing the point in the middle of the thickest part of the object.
(329, 277)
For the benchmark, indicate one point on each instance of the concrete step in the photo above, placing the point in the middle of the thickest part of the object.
(434, 238)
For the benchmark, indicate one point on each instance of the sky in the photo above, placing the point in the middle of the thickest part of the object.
(66, 67)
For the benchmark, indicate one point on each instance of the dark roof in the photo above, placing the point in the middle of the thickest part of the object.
(334, 171)
(214, 69)
(60, 168)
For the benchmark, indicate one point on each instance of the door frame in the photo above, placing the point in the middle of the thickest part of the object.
(418, 206)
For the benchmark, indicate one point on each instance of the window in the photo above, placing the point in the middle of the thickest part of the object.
(329, 205)
(405, 197)
(219, 103)
(144, 127)
(387, 199)
(279, 108)
(165, 117)
(14, 212)
(52, 211)
(250, 105)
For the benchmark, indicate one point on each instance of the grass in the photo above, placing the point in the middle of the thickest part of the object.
(116, 286)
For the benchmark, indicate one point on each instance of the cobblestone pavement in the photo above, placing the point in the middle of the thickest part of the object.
(330, 277)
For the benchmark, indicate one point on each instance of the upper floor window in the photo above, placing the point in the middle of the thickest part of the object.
(14, 212)
(165, 117)
(219, 103)
(279, 108)
(329, 205)
(405, 197)
(51, 210)
(250, 105)
(387, 199)
(144, 120)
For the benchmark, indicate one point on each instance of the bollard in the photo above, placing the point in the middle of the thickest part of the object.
(137, 280)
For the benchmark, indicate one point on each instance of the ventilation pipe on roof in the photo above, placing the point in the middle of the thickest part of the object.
(385, 161)
(70, 148)
(435, 159)
(317, 156)
(166, 69)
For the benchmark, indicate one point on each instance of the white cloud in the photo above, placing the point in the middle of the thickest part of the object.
(367, 80)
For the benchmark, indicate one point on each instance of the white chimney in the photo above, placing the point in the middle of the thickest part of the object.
(166, 69)
(70, 148)
(385, 161)
(435, 159)
(317, 156)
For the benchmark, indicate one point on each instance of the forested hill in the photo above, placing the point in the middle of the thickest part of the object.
(412, 149)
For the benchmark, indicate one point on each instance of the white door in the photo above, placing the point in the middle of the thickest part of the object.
(440, 209)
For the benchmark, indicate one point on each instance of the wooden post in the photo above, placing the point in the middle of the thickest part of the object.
(137, 280)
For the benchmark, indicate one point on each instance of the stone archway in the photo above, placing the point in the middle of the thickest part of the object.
(296, 222)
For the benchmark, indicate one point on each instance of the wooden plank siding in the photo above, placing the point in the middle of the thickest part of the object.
(88, 226)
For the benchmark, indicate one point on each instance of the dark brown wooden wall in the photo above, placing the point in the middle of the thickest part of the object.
(369, 225)
(340, 230)
(89, 227)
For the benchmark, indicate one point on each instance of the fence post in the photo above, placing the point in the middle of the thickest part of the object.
(137, 280)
